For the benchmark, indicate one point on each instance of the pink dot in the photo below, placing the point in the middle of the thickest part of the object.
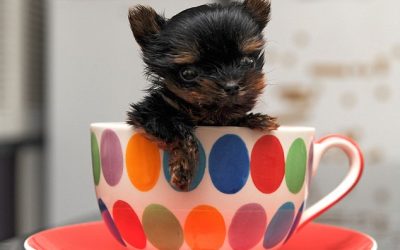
(247, 227)
(111, 157)
(129, 224)
(267, 164)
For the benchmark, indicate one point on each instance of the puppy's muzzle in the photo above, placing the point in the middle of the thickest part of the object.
(231, 87)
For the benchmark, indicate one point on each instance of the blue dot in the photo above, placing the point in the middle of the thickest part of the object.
(279, 226)
(296, 222)
(198, 172)
(229, 164)
(109, 222)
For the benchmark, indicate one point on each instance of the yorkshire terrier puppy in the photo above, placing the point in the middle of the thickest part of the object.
(205, 65)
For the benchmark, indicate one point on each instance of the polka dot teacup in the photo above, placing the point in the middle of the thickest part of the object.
(248, 190)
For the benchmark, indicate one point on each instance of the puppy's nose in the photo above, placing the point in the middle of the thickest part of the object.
(231, 88)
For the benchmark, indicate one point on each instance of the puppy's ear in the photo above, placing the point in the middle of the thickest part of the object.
(144, 22)
(260, 10)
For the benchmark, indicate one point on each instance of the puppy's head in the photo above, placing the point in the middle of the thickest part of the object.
(210, 55)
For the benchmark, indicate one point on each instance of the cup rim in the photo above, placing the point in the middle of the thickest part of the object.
(283, 128)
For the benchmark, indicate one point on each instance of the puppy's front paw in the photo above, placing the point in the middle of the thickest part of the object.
(182, 162)
(260, 122)
(180, 170)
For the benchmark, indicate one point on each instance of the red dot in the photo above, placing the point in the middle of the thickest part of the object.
(267, 164)
(129, 224)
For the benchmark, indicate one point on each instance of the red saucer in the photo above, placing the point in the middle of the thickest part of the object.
(95, 235)
(326, 237)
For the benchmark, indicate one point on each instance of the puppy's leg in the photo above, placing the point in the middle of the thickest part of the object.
(257, 121)
(184, 155)
(178, 140)
(174, 135)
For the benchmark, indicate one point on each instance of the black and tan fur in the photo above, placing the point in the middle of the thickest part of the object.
(205, 65)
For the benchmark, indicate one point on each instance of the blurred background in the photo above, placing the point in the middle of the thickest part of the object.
(331, 64)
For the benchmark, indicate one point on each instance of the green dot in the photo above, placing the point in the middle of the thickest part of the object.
(95, 158)
(162, 228)
(296, 163)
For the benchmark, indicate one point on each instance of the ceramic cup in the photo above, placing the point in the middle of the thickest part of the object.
(248, 191)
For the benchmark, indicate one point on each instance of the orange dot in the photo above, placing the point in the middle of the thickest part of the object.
(205, 228)
(143, 162)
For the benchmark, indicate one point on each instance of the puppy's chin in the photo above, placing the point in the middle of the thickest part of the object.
(232, 101)
(239, 103)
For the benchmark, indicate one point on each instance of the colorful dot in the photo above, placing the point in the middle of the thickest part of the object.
(279, 225)
(109, 222)
(204, 228)
(229, 164)
(296, 163)
(95, 158)
(162, 227)
(111, 157)
(247, 227)
(310, 163)
(267, 164)
(198, 172)
(296, 222)
(129, 224)
(143, 162)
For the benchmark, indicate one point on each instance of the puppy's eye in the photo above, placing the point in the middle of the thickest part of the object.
(189, 74)
(247, 62)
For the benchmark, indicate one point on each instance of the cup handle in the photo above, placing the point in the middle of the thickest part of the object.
(356, 166)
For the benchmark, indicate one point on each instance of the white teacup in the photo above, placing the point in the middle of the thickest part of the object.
(248, 191)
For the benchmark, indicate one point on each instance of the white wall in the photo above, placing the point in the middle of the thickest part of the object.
(94, 73)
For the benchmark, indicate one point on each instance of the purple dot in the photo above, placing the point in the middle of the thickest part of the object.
(247, 227)
(111, 157)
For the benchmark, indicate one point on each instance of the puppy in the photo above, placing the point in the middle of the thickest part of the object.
(205, 65)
